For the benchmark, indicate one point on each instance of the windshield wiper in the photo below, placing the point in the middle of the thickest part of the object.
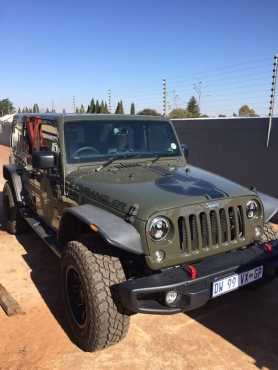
(115, 158)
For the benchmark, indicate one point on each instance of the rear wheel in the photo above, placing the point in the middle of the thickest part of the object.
(95, 319)
(15, 224)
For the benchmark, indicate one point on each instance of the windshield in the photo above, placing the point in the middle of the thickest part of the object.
(88, 141)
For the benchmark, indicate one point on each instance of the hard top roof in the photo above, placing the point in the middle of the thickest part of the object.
(89, 116)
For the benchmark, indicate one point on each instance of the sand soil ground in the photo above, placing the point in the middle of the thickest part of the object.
(237, 331)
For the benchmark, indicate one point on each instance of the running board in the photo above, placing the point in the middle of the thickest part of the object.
(44, 233)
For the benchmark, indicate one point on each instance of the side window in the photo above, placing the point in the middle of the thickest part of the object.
(19, 142)
(50, 137)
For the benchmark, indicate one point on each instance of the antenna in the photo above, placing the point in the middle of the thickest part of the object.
(109, 100)
(164, 97)
(73, 103)
(272, 98)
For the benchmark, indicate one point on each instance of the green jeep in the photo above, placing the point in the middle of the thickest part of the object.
(137, 228)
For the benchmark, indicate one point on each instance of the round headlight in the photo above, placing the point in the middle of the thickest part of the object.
(252, 209)
(159, 228)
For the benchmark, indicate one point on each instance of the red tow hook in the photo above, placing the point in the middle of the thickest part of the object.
(268, 247)
(192, 271)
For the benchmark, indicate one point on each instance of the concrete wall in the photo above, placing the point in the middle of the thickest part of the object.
(234, 148)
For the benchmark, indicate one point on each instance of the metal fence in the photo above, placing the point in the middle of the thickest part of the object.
(234, 148)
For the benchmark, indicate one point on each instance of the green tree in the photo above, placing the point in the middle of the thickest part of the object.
(148, 112)
(36, 108)
(97, 107)
(102, 108)
(82, 109)
(64, 111)
(106, 108)
(222, 115)
(92, 107)
(47, 110)
(132, 109)
(6, 107)
(120, 108)
(192, 109)
(246, 111)
(19, 110)
(178, 113)
(117, 108)
(77, 110)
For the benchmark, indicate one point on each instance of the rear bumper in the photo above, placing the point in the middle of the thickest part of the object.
(147, 294)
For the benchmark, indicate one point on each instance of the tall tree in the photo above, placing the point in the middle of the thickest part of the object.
(77, 110)
(106, 108)
(92, 107)
(19, 110)
(47, 110)
(6, 107)
(36, 108)
(82, 109)
(97, 107)
(132, 109)
(117, 108)
(102, 108)
(121, 107)
(193, 110)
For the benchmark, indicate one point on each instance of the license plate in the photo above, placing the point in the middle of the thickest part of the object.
(235, 281)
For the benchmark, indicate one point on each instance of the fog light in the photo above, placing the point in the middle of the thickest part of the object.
(170, 297)
(257, 232)
(159, 256)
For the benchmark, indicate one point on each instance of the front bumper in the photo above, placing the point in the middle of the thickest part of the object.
(147, 294)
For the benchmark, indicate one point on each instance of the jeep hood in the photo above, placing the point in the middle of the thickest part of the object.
(151, 188)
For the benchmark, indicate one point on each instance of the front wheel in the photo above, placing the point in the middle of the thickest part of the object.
(94, 319)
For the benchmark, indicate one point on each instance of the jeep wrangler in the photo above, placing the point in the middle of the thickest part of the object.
(136, 227)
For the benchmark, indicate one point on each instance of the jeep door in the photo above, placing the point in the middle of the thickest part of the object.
(47, 186)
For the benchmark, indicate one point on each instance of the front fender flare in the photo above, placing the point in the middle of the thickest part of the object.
(113, 229)
(10, 173)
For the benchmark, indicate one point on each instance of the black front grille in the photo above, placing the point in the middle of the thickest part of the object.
(211, 228)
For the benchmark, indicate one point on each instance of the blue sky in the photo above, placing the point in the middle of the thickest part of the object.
(52, 50)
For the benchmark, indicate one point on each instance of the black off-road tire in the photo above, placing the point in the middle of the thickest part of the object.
(97, 321)
(268, 233)
(14, 223)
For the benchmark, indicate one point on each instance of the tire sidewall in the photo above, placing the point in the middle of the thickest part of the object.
(79, 334)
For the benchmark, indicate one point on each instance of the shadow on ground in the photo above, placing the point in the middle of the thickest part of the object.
(45, 273)
(248, 319)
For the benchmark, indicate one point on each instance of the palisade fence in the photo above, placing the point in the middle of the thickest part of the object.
(234, 148)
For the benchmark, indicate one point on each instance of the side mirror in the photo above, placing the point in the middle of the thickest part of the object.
(43, 160)
(185, 150)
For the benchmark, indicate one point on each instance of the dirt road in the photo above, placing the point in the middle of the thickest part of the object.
(238, 331)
